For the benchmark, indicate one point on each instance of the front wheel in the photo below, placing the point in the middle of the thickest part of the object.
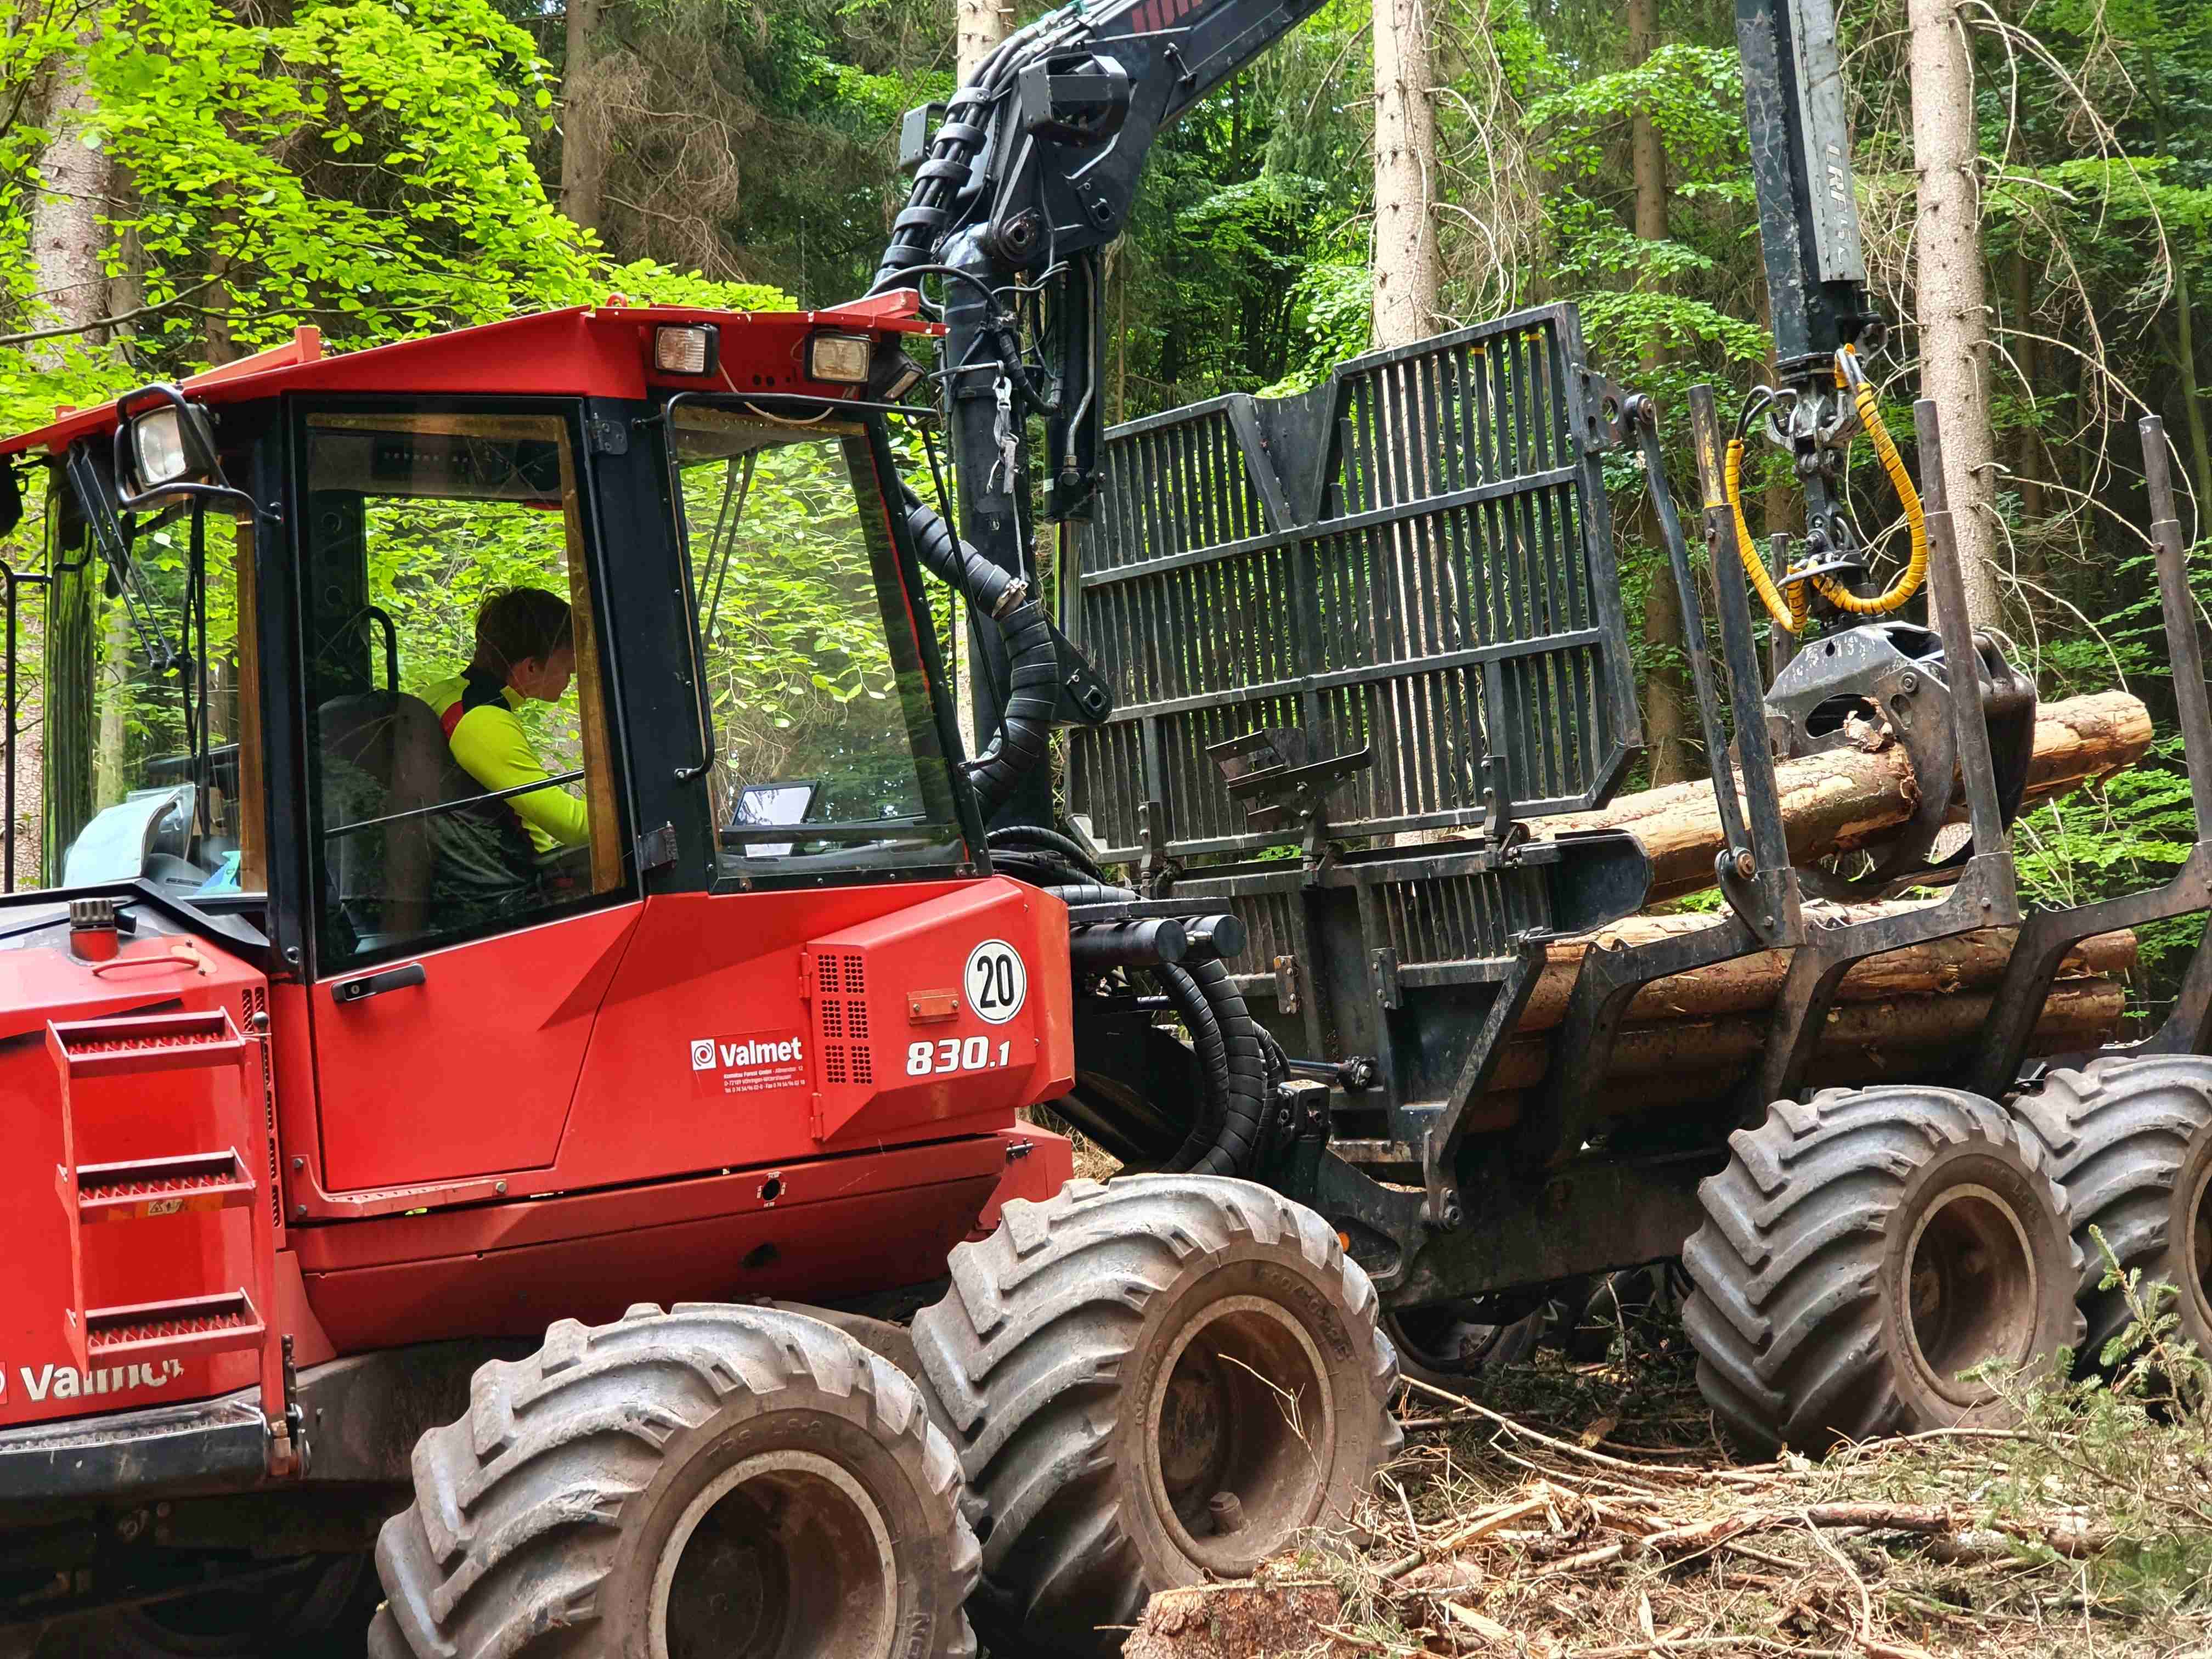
(744, 1483)
(1150, 1383)
(1864, 1254)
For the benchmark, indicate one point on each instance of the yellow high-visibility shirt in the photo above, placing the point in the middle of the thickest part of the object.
(478, 714)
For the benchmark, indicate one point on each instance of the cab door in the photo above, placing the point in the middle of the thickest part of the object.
(461, 948)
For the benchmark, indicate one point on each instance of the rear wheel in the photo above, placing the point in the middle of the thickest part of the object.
(2131, 1140)
(1862, 1253)
(740, 1482)
(1150, 1382)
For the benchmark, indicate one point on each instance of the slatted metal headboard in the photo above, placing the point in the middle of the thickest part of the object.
(1415, 556)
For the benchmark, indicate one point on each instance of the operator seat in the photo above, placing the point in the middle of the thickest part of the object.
(383, 752)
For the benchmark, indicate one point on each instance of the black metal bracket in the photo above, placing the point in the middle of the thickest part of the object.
(656, 848)
(1440, 1144)
(1269, 774)
(1084, 698)
(2045, 936)
(1987, 893)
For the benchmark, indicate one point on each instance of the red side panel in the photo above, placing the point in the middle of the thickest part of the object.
(939, 1012)
(708, 1052)
(471, 1071)
(142, 1187)
(811, 1231)
(1038, 1164)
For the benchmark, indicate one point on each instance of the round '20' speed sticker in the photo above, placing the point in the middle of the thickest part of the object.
(996, 982)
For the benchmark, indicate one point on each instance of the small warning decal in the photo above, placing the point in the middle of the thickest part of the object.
(747, 1065)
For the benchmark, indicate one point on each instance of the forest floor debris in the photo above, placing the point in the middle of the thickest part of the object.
(1590, 1510)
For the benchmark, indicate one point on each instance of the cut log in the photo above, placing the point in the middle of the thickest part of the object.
(1849, 799)
(1965, 961)
(1688, 1062)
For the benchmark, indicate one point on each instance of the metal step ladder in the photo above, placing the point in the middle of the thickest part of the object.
(184, 1189)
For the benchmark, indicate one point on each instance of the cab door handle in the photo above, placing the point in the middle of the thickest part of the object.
(375, 985)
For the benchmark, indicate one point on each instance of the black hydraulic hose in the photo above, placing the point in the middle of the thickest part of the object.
(1035, 837)
(1235, 1142)
(1090, 892)
(1232, 1048)
(946, 173)
(1188, 1000)
(1033, 660)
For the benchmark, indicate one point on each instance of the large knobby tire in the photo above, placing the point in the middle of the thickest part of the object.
(1149, 1382)
(740, 1482)
(1864, 1250)
(2131, 1140)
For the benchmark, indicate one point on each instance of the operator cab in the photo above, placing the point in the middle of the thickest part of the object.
(250, 618)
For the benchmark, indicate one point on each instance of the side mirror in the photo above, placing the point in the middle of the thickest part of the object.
(171, 443)
(11, 501)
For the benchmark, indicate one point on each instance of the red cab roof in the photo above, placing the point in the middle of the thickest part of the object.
(602, 351)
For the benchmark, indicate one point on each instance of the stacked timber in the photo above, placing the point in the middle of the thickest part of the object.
(1844, 800)
(1908, 1014)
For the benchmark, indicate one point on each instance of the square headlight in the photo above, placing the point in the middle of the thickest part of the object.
(840, 357)
(157, 440)
(687, 348)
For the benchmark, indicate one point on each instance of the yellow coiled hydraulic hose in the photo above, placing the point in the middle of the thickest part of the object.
(1787, 602)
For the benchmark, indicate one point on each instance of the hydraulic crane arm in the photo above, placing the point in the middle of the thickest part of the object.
(1029, 175)
(1031, 171)
(1808, 232)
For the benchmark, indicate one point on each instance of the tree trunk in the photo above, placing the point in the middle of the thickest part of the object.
(2200, 452)
(108, 776)
(1697, 1063)
(978, 27)
(67, 244)
(1954, 329)
(1667, 714)
(1406, 269)
(2028, 466)
(583, 121)
(1844, 799)
(67, 237)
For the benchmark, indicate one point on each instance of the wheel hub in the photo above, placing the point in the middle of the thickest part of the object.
(782, 1556)
(1191, 1440)
(1242, 1412)
(1971, 1291)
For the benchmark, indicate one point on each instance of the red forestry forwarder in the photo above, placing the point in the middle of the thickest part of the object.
(315, 1111)
(567, 1142)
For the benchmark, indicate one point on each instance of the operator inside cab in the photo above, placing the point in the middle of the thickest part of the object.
(525, 651)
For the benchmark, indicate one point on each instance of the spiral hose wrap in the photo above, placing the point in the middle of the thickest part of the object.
(1033, 678)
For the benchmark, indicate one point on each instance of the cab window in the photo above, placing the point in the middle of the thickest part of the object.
(152, 741)
(827, 757)
(460, 778)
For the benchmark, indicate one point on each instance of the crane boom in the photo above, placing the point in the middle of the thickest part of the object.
(1034, 165)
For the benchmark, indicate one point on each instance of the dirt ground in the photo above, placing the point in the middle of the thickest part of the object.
(1590, 1509)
